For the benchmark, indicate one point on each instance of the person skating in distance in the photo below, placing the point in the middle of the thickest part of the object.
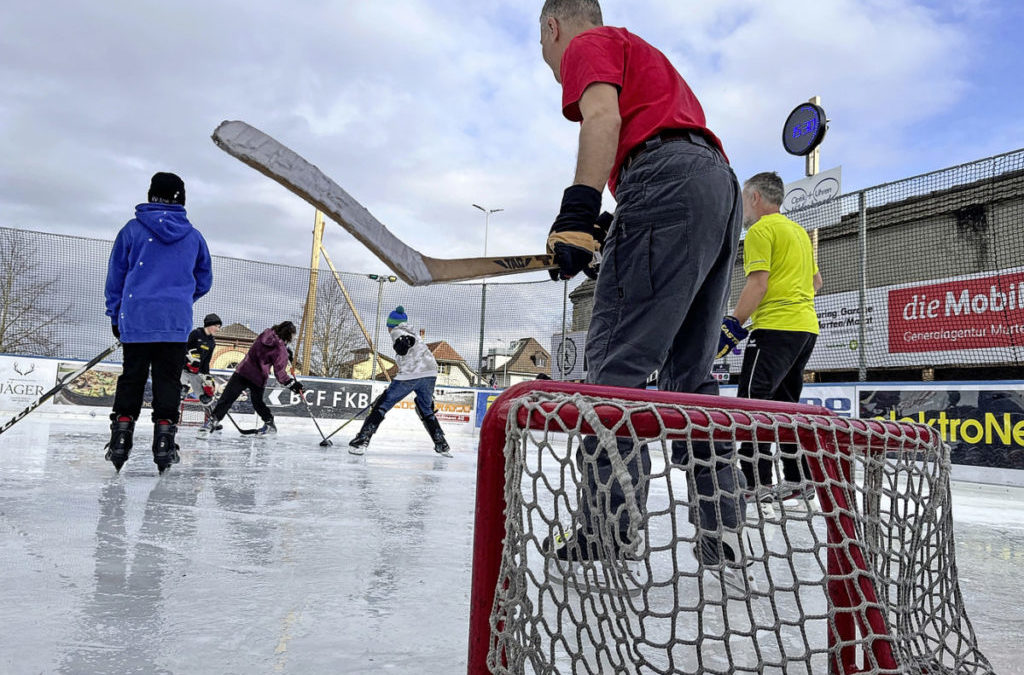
(159, 266)
(417, 372)
(270, 350)
(195, 376)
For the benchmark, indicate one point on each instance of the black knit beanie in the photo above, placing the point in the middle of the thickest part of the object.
(166, 188)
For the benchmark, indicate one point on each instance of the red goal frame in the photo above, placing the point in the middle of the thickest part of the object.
(846, 560)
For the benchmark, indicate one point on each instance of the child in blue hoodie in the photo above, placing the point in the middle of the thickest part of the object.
(158, 268)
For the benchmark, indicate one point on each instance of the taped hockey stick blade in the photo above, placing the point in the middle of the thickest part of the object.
(277, 161)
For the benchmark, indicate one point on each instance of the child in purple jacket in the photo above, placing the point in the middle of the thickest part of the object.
(269, 349)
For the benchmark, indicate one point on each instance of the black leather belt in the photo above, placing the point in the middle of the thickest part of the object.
(661, 138)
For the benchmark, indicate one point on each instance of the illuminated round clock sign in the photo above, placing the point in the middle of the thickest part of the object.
(804, 129)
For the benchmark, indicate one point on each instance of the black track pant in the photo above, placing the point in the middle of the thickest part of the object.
(165, 359)
(233, 389)
(773, 369)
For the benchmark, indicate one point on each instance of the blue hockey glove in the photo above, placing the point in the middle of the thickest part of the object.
(732, 334)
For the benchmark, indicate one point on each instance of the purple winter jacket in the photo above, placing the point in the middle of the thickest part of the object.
(268, 350)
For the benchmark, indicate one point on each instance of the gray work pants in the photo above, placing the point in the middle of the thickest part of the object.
(662, 290)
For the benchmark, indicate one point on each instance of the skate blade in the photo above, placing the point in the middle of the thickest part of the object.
(624, 579)
(445, 453)
(356, 450)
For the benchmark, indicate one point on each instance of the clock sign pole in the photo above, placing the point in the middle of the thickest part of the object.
(804, 131)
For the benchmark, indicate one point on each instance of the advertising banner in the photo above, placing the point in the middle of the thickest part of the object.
(484, 399)
(328, 399)
(983, 424)
(453, 407)
(24, 379)
(974, 313)
(972, 319)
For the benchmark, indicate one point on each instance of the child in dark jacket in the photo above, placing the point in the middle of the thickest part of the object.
(269, 349)
(159, 266)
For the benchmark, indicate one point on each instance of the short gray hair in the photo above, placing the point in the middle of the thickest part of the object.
(769, 184)
(569, 10)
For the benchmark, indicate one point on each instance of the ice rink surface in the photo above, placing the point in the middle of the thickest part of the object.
(274, 555)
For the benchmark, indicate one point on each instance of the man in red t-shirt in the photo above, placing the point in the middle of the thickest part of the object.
(666, 261)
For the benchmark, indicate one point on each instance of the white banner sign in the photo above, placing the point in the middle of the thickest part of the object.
(23, 379)
(813, 190)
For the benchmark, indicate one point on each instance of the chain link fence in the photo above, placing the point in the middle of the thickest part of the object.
(52, 304)
(924, 277)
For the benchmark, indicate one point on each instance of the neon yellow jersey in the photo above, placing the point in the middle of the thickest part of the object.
(777, 245)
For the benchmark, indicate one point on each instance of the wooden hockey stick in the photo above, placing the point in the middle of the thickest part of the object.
(273, 159)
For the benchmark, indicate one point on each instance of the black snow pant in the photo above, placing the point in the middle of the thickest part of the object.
(165, 359)
(233, 389)
(663, 285)
(773, 370)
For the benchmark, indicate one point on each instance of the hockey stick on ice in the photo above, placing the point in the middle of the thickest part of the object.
(324, 442)
(273, 159)
(61, 383)
(355, 417)
(244, 432)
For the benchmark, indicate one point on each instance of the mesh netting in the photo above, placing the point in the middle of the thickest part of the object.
(684, 571)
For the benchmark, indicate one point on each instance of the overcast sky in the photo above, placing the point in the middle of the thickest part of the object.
(421, 108)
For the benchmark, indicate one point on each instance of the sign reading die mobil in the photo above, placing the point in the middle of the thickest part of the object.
(976, 313)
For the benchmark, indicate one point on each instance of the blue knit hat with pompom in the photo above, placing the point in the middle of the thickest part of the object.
(397, 317)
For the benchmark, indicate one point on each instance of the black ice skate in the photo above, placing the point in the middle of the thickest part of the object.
(578, 559)
(165, 450)
(358, 445)
(433, 428)
(120, 445)
(729, 559)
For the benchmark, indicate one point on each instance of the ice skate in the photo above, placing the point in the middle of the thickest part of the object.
(798, 496)
(433, 428)
(577, 559)
(165, 450)
(267, 429)
(120, 445)
(358, 445)
(210, 426)
(729, 562)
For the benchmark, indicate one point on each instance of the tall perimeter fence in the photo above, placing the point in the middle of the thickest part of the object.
(924, 279)
(52, 304)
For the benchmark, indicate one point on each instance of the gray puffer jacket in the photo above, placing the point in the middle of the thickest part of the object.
(418, 361)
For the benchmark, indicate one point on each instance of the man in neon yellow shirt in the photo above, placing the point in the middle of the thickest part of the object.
(778, 296)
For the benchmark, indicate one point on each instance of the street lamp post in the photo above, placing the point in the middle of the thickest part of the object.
(381, 279)
(483, 291)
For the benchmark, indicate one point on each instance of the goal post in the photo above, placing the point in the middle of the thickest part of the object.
(862, 582)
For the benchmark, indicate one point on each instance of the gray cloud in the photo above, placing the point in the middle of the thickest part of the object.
(417, 108)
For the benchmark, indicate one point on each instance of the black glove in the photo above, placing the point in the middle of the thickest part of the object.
(295, 385)
(404, 344)
(115, 331)
(571, 240)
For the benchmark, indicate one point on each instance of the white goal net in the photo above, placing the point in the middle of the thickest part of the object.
(615, 536)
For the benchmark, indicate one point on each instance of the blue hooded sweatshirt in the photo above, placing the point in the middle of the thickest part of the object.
(158, 268)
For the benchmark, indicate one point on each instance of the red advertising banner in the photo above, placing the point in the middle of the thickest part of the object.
(967, 314)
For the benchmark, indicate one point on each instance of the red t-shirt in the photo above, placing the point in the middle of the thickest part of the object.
(653, 96)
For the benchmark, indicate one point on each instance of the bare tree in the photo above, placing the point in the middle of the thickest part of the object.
(335, 333)
(29, 319)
